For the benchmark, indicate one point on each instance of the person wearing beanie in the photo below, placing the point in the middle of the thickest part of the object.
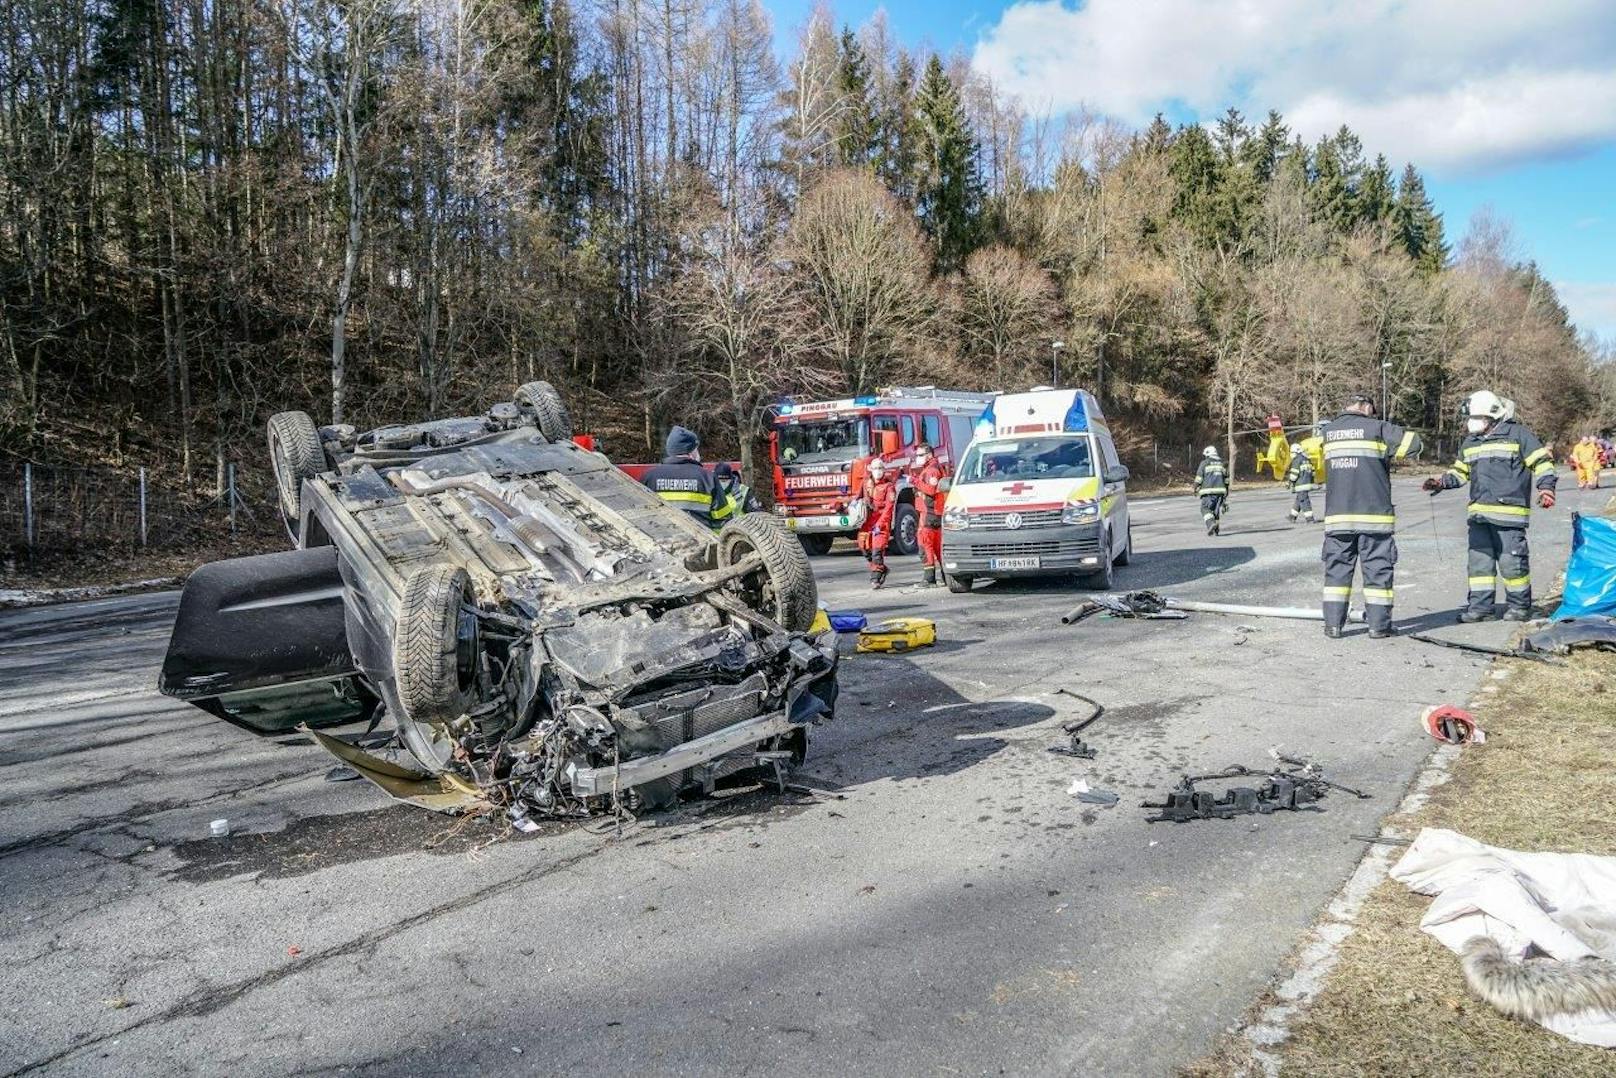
(737, 494)
(682, 482)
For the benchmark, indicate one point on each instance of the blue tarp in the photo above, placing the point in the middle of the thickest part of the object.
(1590, 581)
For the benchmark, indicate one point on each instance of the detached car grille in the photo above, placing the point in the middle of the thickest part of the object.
(685, 716)
(1066, 548)
(1031, 518)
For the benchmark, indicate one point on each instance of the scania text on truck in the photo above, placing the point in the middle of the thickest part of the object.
(819, 451)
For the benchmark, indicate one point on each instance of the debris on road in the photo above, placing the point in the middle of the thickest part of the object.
(898, 634)
(1453, 725)
(1292, 788)
(1088, 795)
(219, 828)
(1487, 649)
(1592, 631)
(1076, 746)
(1153, 605)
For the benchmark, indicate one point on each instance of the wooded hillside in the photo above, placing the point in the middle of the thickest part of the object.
(211, 210)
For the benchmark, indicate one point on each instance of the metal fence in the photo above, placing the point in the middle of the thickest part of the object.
(49, 513)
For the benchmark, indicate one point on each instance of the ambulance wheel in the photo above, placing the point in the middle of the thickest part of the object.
(541, 401)
(817, 545)
(1102, 579)
(959, 585)
(905, 530)
(1127, 551)
(783, 587)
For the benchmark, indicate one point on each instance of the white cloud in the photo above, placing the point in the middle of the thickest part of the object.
(1592, 305)
(1457, 83)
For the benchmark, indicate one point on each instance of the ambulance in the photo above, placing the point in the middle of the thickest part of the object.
(1038, 492)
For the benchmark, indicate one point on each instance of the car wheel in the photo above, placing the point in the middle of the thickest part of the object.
(295, 454)
(541, 401)
(783, 589)
(905, 530)
(959, 585)
(1104, 577)
(436, 654)
(817, 545)
(1127, 550)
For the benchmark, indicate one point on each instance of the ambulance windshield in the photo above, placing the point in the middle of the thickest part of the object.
(1053, 457)
(823, 441)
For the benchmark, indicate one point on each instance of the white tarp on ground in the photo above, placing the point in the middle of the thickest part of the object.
(1559, 904)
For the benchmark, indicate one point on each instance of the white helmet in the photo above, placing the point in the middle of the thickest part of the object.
(877, 466)
(1296, 447)
(1484, 402)
(1210, 452)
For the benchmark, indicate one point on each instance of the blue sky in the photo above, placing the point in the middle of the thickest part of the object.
(1497, 102)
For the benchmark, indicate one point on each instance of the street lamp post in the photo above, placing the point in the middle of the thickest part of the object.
(1384, 367)
(1054, 362)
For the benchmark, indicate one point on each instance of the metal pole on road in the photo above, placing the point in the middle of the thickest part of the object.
(142, 507)
(1054, 363)
(28, 505)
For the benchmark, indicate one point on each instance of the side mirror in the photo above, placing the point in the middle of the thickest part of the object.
(1117, 473)
(887, 440)
(945, 485)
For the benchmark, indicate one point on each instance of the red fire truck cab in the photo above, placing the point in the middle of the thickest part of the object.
(819, 451)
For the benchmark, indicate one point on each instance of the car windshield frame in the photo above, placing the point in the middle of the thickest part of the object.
(857, 426)
(1025, 453)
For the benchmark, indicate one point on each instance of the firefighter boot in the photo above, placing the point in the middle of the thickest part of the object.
(1309, 518)
(929, 578)
(1291, 516)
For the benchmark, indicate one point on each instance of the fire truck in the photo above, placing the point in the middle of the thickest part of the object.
(819, 451)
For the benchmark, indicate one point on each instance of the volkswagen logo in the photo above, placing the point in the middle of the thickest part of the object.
(1012, 520)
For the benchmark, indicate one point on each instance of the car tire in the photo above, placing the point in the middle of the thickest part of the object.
(435, 656)
(785, 590)
(1127, 550)
(817, 545)
(959, 585)
(1102, 579)
(549, 413)
(295, 454)
(905, 530)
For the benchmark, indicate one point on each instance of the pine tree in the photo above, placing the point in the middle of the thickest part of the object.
(1264, 152)
(1417, 224)
(1376, 192)
(895, 161)
(949, 193)
(856, 142)
(1158, 136)
(1329, 198)
(1232, 135)
(1193, 165)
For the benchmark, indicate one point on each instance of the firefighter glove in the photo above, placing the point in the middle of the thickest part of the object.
(1545, 498)
(1432, 484)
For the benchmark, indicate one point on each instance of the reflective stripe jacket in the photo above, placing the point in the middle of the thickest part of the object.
(682, 482)
(1211, 477)
(1300, 474)
(929, 499)
(1501, 466)
(1358, 451)
(741, 500)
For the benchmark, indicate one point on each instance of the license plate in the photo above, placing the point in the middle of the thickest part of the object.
(1012, 563)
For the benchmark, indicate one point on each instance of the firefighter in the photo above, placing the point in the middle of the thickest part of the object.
(1212, 484)
(1299, 478)
(736, 494)
(1586, 459)
(1358, 518)
(1502, 461)
(880, 494)
(926, 476)
(681, 481)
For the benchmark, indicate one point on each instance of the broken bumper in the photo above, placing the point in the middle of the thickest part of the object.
(595, 781)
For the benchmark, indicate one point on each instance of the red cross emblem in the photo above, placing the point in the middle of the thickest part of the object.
(1017, 487)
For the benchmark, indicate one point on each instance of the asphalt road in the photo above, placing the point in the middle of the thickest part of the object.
(942, 904)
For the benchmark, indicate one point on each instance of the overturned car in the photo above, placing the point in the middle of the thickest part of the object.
(544, 634)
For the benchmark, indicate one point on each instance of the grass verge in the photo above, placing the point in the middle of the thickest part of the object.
(1395, 1003)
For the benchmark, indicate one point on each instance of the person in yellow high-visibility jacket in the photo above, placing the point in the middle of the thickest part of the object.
(1585, 459)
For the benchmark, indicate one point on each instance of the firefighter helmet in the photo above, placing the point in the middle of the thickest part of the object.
(1210, 452)
(1484, 402)
(1296, 447)
(877, 466)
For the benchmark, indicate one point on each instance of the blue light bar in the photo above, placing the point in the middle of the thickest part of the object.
(985, 424)
(867, 400)
(1077, 417)
(786, 409)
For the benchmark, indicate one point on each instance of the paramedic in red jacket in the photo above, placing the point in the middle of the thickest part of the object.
(880, 494)
(927, 477)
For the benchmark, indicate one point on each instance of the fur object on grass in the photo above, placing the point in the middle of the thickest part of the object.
(1537, 988)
